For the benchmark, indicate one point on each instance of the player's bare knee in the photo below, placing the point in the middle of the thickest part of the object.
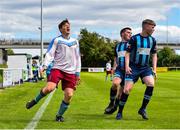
(68, 95)
(49, 89)
(149, 83)
(114, 86)
(116, 83)
(128, 86)
(126, 90)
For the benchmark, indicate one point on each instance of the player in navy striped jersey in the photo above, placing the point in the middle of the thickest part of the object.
(119, 70)
(64, 52)
(140, 47)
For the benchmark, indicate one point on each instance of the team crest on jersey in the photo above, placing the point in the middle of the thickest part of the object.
(121, 54)
(144, 51)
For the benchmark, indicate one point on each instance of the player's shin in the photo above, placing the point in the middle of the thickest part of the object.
(39, 96)
(122, 101)
(147, 96)
(63, 107)
(112, 95)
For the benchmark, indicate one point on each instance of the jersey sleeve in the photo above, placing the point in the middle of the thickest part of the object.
(131, 44)
(115, 53)
(50, 52)
(154, 47)
(78, 59)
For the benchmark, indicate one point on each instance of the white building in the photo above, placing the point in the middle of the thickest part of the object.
(21, 61)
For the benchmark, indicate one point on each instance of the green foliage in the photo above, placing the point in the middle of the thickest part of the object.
(96, 50)
(3, 66)
(1, 76)
(10, 52)
(176, 60)
(167, 57)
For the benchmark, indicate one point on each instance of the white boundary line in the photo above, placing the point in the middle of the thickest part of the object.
(39, 113)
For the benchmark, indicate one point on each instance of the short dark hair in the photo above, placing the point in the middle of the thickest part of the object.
(124, 29)
(148, 21)
(63, 23)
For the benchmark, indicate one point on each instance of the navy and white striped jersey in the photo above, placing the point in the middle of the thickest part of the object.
(140, 49)
(65, 55)
(119, 52)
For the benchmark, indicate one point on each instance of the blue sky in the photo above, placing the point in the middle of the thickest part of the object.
(20, 19)
(174, 17)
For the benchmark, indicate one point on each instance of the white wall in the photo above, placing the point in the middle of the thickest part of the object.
(17, 61)
(177, 52)
(11, 77)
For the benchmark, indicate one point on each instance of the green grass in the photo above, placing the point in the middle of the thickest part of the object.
(1, 80)
(88, 104)
(1, 75)
(3, 66)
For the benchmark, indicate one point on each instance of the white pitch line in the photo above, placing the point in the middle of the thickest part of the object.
(39, 113)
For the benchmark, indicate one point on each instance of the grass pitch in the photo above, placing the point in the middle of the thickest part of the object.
(88, 104)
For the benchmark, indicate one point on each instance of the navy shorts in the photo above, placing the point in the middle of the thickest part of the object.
(138, 71)
(120, 74)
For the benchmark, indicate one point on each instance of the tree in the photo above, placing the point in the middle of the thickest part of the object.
(166, 56)
(96, 50)
(176, 61)
(10, 52)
